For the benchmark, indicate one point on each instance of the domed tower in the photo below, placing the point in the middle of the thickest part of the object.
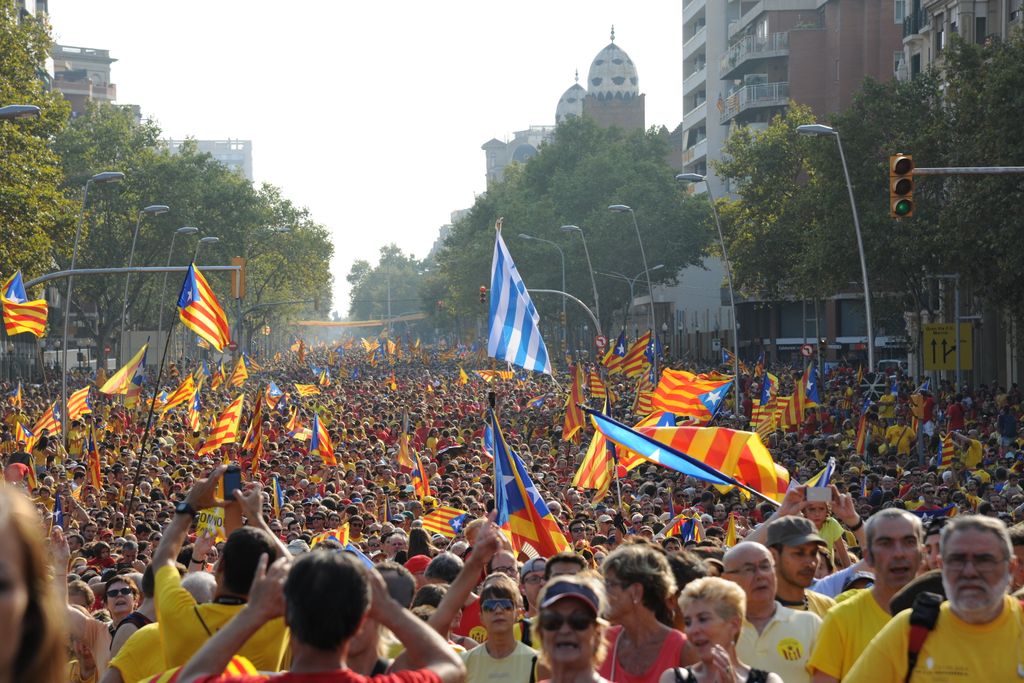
(613, 90)
(571, 102)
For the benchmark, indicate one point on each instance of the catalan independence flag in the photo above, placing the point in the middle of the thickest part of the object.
(320, 443)
(447, 521)
(195, 408)
(420, 480)
(200, 311)
(15, 398)
(125, 378)
(636, 362)
(79, 403)
(20, 314)
(616, 354)
(181, 394)
(239, 375)
(307, 389)
(225, 431)
(48, 421)
(522, 512)
(573, 413)
(689, 395)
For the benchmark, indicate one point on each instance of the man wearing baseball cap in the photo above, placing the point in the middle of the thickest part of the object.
(794, 542)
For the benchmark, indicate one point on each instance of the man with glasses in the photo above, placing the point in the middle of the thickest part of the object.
(774, 638)
(502, 657)
(893, 551)
(531, 579)
(979, 634)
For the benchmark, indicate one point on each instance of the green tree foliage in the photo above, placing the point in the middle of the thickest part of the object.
(572, 181)
(287, 253)
(34, 215)
(397, 277)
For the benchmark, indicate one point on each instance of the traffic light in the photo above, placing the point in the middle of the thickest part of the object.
(483, 295)
(901, 186)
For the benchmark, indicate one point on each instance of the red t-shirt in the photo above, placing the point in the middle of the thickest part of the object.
(339, 676)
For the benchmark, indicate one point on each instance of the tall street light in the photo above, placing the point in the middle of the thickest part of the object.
(561, 253)
(622, 208)
(205, 240)
(98, 179)
(185, 230)
(631, 281)
(590, 267)
(18, 111)
(819, 129)
(151, 210)
(698, 178)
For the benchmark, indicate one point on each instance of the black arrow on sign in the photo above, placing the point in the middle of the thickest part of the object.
(945, 353)
(934, 344)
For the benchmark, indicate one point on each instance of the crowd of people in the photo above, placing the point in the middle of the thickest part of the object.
(904, 569)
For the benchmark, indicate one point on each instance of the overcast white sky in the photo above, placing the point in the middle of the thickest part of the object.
(369, 113)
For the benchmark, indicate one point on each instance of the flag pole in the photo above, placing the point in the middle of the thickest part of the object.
(149, 424)
(42, 369)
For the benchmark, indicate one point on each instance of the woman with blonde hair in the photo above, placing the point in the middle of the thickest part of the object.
(34, 646)
(640, 585)
(570, 630)
(713, 610)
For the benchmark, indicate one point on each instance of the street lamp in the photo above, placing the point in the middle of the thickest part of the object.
(18, 111)
(561, 253)
(698, 178)
(205, 240)
(98, 179)
(151, 210)
(590, 267)
(820, 129)
(185, 230)
(631, 281)
(622, 208)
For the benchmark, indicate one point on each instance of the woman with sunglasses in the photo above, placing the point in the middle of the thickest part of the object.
(570, 630)
(502, 657)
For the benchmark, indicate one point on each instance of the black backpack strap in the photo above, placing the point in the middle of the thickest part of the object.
(533, 670)
(757, 676)
(683, 675)
(923, 617)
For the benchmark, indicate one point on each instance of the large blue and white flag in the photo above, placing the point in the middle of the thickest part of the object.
(514, 323)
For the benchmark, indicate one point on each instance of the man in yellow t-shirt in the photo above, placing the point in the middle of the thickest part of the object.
(980, 630)
(893, 550)
(774, 638)
(186, 626)
(900, 436)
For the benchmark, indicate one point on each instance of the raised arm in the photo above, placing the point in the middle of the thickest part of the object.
(251, 502)
(488, 540)
(200, 496)
(792, 504)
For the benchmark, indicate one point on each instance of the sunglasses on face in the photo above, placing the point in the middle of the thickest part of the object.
(578, 621)
(118, 591)
(495, 604)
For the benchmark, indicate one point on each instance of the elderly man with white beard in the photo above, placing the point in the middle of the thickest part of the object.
(979, 634)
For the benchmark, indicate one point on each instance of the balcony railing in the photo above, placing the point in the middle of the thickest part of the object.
(754, 47)
(915, 22)
(698, 76)
(697, 38)
(696, 152)
(753, 96)
(694, 115)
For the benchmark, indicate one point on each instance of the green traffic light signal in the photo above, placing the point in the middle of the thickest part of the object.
(903, 208)
(901, 186)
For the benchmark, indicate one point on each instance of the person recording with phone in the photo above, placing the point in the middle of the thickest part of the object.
(185, 625)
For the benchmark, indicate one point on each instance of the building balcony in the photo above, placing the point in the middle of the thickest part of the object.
(696, 39)
(750, 48)
(753, 97)
(698, 77)
(692, 9)
(695, 153)
(695, 116)
(914, 23)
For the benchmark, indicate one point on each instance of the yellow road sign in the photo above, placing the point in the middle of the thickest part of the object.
(940, 347)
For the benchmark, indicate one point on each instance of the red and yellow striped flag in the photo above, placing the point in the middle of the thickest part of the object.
(420, 480)
(48, 421)
(307, 389)
(320, 443)
(447, 521)
(200, 311)
(240, 374)
(636, 361)
(685, 394)
(225, 431)
(573, 413)
(181, 394)
(20, 314)
(79, 404)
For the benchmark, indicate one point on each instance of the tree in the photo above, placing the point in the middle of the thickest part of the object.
(390, 289)
(572, 181)
(34, 213)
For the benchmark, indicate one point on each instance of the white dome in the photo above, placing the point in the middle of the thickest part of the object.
(613, 75)
(571, 103)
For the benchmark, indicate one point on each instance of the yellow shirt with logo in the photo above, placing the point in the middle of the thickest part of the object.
(845, 632)
(784, 646)
(900, 437)
(953, 651)
(185, 626)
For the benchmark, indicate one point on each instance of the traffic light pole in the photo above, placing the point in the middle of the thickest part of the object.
(969, 170)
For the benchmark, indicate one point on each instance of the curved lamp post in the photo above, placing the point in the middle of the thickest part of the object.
(151, 210)
(698, 178)
(18, 111)
(561, 253)
(590, 267)
(631, 281)
(822, 130)
(98, 179)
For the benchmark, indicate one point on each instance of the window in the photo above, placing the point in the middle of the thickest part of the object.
(980, 27)
(897, 61)
(899, 11)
